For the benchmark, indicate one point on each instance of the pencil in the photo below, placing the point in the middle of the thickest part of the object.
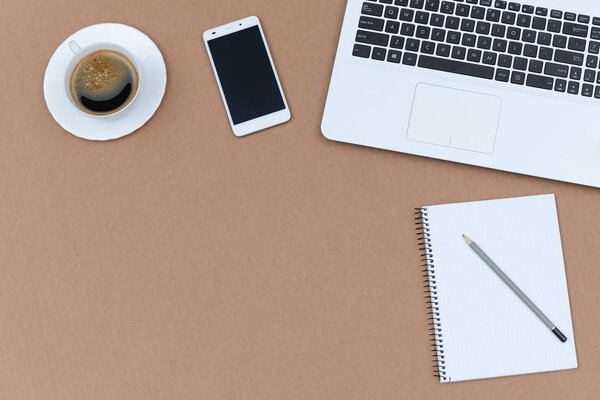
(515, 289)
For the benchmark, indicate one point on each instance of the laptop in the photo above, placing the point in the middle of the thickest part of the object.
(504, 85)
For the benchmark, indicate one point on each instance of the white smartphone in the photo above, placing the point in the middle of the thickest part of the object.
(246, 76)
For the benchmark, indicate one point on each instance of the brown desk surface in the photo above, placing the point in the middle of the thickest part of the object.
(181, 262)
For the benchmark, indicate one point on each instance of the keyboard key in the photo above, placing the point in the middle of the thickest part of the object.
(505, 61)
(423, 32)
(515, 48)
(568, 57)
(447, 7)
(422, 17)
(375, 38)
(360, 50)
(569, 16)
(392, 26)
(540, 82)
(457, 67)
(575, 73)
(463, 10)
(487, 3)
(407, 15)
(556, 14)
(573, 88)
(500, 4)
(469, 40)
(409, 59)
(517, 78)
(493, 15)
(538, 23)
(474, 55)
(417, 3)
(587, 90)
(592, 61)
(452, 22)
(478, 12)
(467, 25)
(584, 19)
(527, 9)
(559, 41)
(484, 42)
(394, 56)
(378, 53)
(577, 44)
(443, 50)
(453, 37)
(595, 35)
(560, 85)
(438, 35)
(546, 53)
(596, 21)
(437, 20)
(558, 70)
(530, 50)
(391, 12)
(520, 63)
(541, 11)
(597, 92)
(397, 42)
(513, 33)
(589, 75)
(427, 47)
(403, 3)
(554, 26)
(594, 47)
(500, 45)
(502, 75)
(432, 5)
(483, 28)
(536, 66)
(489, 58)
(407, 29)
(412, 45)
(514, 6)
(498, 30)
(528, 36)
(384, 1)
(509, 18)
(459, 53)
(575, 29)
(544, 38)
(372, 9)
(375, 24)
(524, 20)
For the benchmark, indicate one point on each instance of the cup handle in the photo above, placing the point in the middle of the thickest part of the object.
(74, 47)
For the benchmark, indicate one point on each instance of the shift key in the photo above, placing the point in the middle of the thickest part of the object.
(568, 57)
(375, 38)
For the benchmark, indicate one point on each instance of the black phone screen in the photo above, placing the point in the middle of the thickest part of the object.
(246, 76)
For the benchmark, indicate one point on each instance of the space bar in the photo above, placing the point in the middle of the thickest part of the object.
(456, 67)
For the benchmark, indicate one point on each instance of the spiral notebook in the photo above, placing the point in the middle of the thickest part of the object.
(480, 328)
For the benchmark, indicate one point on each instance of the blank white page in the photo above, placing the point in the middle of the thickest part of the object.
(487, 331)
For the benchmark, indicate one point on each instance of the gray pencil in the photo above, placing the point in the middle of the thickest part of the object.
(515, 289)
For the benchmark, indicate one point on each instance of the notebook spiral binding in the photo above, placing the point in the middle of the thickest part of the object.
(435, 326)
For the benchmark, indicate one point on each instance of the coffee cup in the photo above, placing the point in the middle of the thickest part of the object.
(103, 79)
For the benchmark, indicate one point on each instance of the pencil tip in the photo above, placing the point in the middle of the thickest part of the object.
(469, 241)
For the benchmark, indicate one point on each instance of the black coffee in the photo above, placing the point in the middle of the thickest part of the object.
(103, 82)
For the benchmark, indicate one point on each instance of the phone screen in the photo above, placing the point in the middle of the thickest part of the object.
(246, 76)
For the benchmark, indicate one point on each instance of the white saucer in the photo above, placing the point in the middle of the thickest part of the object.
(151, 92)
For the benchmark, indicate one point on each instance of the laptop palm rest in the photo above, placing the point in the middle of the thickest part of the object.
(454, 118)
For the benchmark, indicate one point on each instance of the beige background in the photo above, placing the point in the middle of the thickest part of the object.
(183, 263)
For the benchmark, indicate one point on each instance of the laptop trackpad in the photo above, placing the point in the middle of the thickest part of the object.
(454, 118)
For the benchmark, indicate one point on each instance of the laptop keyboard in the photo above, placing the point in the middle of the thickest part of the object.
(490, 39)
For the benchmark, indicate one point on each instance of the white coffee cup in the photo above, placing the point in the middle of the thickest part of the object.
(79, 54)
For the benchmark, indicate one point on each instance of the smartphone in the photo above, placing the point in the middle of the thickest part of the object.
(246, 76)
